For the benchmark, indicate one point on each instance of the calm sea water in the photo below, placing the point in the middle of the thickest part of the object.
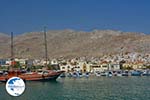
(93, 88)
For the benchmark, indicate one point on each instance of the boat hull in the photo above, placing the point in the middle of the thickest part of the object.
(33, 76)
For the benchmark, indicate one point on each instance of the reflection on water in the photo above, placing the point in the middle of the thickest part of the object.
(94, 88)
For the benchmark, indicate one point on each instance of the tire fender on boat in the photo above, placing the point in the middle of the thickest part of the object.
(43, 74)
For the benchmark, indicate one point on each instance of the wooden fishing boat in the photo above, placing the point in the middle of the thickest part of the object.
(44, 75)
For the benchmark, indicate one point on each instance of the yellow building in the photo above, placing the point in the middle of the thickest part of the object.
(138, 65)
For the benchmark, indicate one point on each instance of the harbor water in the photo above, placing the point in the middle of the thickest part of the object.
(92, 88)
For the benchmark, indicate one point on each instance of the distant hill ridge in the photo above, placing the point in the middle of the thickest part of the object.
(69, 43)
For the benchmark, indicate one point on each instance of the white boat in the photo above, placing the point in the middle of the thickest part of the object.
(86, 74)
(119, 73)
(109, 74)
(98, 74)
(125, 73)
(75, 74)
(103, 73)
(69, 74)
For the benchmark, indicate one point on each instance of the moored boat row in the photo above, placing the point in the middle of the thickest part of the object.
(75, 74)
(124, 73)
(108, 73)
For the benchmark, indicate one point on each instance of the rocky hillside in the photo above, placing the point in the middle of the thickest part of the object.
(69, 43)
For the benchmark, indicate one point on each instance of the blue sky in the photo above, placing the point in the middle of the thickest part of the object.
(22, 16)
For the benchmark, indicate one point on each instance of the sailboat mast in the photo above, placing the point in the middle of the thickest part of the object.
(12, 51)
(45, 43)
(12, 46)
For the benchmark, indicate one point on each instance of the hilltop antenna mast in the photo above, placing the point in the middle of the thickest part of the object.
(45, 43)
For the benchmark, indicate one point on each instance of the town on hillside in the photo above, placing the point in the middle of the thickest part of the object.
(113, 64)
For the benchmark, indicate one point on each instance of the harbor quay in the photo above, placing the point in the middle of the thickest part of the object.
(126, 64)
